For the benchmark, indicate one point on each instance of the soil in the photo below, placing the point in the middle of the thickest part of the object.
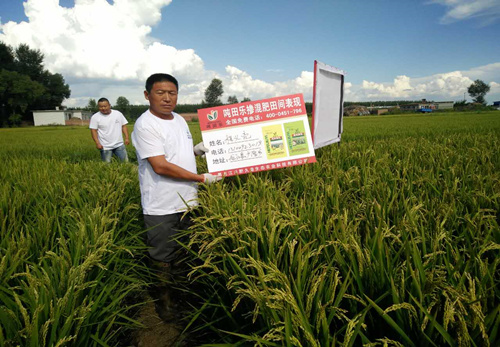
(155, 332)
(189, 116)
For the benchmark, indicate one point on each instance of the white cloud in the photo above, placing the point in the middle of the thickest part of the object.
(95, 39)
(440, 87)
(399, 89)
(347, 89)
(494, 90)
(486, 72)
(487, 11)
(242, 85)
(105, 49)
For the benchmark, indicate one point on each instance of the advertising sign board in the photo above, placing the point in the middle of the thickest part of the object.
(257, 135)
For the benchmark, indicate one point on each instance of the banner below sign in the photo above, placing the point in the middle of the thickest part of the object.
(257, 135)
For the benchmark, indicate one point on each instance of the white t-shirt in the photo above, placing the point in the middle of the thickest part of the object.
(109, 128)
(153, 136)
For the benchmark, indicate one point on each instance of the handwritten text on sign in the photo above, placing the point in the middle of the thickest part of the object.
(257, 136)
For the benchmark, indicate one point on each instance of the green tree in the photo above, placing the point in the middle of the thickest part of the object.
(232, 99)
(92, 105)
(29, 62)
(460, 105)
(15, 120)
(56, 90)
(213, 93)
(6, 64)
(246, 99)
(478, 90)
(17, 93)
(123, 105)
(6, 57)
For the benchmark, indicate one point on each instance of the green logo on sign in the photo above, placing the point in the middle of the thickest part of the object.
(212, 115)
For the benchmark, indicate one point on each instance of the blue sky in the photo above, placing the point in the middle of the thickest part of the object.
(391, 50)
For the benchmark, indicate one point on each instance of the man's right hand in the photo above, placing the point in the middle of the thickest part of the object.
(99, 146)
(210, 179)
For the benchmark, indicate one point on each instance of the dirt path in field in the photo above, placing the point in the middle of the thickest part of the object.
(171, 303)
(156, 333)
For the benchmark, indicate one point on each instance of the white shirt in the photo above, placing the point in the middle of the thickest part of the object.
(109, 128)
(153, 136)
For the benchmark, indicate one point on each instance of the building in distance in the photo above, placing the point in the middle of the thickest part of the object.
(61, 117)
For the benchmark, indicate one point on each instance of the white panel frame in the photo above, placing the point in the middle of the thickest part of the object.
(328, 105)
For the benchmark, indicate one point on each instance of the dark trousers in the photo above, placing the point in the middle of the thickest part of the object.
(163, 233)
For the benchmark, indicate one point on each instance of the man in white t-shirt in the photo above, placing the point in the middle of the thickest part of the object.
(106, 127)
(167, 176)
(167, 166)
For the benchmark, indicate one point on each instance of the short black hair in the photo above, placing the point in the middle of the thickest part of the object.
(103, 99)
(160, 77)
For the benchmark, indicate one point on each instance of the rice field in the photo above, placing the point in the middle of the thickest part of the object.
(390, 239)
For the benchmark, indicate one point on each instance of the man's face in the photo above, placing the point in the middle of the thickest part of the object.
(104, 107)
(162, 99)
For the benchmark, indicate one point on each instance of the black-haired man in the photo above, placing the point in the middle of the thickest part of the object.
(167, 167)
(167, 177)
(106, 128)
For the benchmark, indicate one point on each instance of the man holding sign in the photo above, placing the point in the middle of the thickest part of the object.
(167, 170)
(167, 166)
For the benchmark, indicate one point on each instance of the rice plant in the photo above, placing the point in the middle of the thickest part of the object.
(70, 242)
(390, 239)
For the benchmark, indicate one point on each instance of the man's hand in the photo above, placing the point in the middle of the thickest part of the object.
(200, 149)
(99, 146)
(210, 179)
(127, 141)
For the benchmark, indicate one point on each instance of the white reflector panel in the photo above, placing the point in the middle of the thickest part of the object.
(328, 104)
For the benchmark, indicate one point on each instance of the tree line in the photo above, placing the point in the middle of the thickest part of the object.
(215, 90)
(213, 94)
(26, 85)
(213, 99)
(132, 112)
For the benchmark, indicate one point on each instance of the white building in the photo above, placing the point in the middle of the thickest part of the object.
(60, 117)
(444, 105)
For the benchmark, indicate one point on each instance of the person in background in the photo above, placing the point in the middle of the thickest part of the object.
(167, 176)
(106, 127)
